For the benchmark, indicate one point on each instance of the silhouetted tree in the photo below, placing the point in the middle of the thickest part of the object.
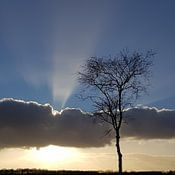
(115, 83)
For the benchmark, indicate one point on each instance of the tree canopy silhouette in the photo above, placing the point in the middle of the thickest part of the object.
(115, 82)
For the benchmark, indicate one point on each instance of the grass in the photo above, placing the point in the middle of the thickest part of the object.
(53, 172)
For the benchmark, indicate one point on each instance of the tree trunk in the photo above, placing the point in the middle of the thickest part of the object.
(118, 134)
(119, 154)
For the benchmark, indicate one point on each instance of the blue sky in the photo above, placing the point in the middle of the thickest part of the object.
(43, 43)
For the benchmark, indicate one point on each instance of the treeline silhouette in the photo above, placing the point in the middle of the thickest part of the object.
(54, 172)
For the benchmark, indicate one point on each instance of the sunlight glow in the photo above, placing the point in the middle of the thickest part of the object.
(53, 154)
(138, 156)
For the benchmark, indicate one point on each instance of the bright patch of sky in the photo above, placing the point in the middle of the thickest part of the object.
(138, 156)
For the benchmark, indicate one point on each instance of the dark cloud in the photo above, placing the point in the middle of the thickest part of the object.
(29, 124)
(149, 123)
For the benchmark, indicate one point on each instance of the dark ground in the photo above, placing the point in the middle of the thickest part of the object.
(47, 172)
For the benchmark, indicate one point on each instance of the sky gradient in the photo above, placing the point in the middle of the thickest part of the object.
(42, 45)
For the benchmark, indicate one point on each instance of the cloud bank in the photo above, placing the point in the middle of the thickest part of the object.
(149, 123)
(30, 124)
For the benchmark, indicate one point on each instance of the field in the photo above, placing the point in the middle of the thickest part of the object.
(47, 172)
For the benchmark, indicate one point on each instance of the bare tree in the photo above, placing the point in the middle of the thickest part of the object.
(115, 83)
